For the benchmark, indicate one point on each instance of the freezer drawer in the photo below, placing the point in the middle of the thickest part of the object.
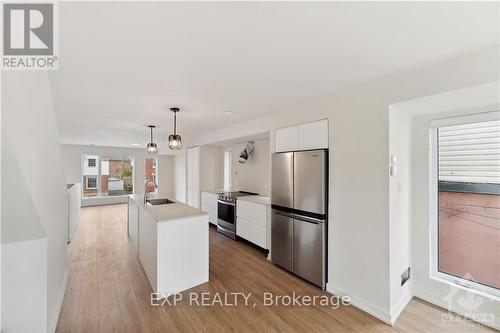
(309, 180)
(282, 240)
(282, 180)
(309, 251)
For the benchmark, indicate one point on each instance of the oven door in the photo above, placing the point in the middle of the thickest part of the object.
(226, 215)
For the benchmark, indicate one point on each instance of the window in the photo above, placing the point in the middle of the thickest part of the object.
(465, 201)
(107, 176)
(227, 169)
(92, 183)
(151, 173)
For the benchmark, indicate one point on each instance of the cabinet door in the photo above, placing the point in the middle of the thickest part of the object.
(193, 198)
(208, 200)
(253, 212)
(313, 135)
(193, 171)
(212, 216)
(148, 246)
(189, 169)
(251, 232)
(133, 224)
(286, 139)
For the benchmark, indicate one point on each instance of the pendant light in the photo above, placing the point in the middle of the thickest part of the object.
(174, 140)
(152, 147)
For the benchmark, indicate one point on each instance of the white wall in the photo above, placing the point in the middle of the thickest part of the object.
(29, 132)
(180, 170)
(72, 159)
(475, 99)
(255, 175)
(400, 138)
(165, 176)
(359, 251)
(75, 203)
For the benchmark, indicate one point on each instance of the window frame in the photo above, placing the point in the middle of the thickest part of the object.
(434, 202)
(91, 166)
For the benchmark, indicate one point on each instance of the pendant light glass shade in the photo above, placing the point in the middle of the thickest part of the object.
(174, 140)
(152, 147)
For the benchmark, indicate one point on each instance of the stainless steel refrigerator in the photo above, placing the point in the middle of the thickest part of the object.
(299, 198)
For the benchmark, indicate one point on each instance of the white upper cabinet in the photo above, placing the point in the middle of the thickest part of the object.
(313, 135)
(286, 139)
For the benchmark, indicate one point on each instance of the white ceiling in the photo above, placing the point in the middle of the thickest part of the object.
(123, 64)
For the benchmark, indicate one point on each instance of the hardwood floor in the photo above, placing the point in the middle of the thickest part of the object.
(108, 291)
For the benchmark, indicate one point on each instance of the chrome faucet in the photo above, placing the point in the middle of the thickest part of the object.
(146, 189)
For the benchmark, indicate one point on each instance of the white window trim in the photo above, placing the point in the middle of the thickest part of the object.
(91, 188)
(434, 208)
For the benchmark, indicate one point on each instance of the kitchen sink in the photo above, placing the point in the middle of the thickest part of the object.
(156, 202)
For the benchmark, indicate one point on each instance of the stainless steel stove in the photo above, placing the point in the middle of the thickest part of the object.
(226, 212)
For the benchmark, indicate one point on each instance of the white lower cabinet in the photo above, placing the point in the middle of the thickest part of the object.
(209, 205)
(251, 232)
(193, 198)
(252, 222)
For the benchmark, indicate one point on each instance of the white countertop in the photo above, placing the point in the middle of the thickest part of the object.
(169, 212)
(260, 199)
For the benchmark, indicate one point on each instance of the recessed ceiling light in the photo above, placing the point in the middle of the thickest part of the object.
(228, 113)
(135, 144)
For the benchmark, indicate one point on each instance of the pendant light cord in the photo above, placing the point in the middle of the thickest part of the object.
(151, 127)
(175, 122)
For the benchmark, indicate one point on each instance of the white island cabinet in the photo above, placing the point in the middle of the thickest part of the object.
(133, 224)
(172, 244)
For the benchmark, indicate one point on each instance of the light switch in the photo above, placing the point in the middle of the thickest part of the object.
(393, 170)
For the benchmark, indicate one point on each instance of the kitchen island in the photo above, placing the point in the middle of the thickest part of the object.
(171, 241)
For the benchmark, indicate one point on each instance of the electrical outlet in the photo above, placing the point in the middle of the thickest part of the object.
(405, 276)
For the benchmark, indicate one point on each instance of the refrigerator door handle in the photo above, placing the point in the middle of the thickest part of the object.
(279, 212)
(308, 219)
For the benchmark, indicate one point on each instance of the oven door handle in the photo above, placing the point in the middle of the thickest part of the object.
(225, 203)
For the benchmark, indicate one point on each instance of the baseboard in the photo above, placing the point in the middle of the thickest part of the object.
(361, 304)
(403, 302)
(60, 298)
(428, 298)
